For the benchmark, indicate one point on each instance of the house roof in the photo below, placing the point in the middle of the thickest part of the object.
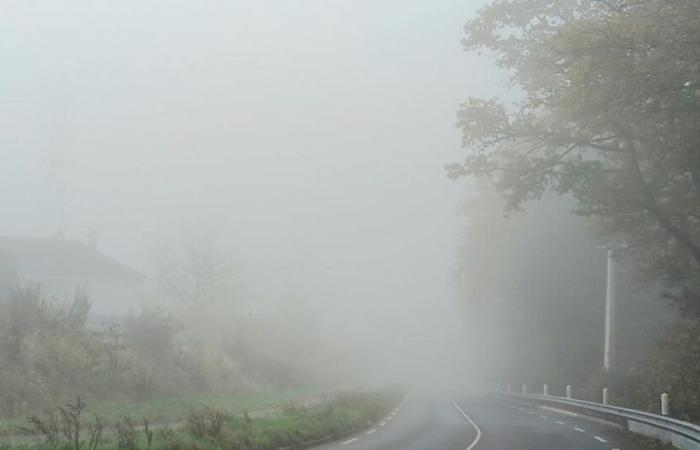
(64, 258)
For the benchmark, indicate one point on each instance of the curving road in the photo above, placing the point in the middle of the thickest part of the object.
(443, 422)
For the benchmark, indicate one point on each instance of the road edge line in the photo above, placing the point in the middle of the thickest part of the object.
(469, 419)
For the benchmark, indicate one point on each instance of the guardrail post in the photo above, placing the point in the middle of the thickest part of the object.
(605, 396)
(568, 391)
(664, 404)
(524, 388)
(545, 390)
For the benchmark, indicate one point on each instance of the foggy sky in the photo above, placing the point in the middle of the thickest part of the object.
(312, 134)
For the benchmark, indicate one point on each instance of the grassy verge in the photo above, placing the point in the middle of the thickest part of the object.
(213, 427)
(175, 409)
(643, 443)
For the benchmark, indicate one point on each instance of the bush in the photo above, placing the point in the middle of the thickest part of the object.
(206, 423)
(60, 426)
(674, 368)
(152, 333)
(95, 429)
(127, 436)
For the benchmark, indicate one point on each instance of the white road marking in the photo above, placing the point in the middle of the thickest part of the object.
(389, 418)
(544, 417)
(476, 427)
(373, 430)
(382, 424)
(580, 430)
(598, 438)
(349, 441)
(560, 422)
(572, 414)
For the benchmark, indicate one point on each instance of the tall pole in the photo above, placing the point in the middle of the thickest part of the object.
(610, 314)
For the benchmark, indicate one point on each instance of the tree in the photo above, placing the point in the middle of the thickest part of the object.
(610, 113)
(199, 272)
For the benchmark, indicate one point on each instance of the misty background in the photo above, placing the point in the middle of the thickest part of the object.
(300, 214)
(307, 137)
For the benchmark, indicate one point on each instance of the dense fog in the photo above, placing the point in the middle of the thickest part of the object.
(299, 199)
(306, 139)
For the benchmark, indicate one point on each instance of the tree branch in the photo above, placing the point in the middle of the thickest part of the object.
(652, 206)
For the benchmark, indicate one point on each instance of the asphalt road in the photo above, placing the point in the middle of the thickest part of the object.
(442, 422)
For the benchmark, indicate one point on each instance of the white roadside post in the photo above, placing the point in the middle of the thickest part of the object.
(664, 404)
(605, 396)
(545, 390)
(568, 391)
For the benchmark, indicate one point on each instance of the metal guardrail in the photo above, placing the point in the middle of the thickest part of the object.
(684, 435)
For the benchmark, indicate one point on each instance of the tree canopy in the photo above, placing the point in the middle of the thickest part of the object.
(609, 113)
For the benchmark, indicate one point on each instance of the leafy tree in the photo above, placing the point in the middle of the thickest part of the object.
(609, 113)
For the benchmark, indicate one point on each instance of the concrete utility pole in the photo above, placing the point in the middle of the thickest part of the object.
(608, 353)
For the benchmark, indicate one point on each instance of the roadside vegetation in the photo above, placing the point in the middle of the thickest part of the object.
(193, 373)
(171, 410)
(49, 354)
(291, 423)
(606, 117)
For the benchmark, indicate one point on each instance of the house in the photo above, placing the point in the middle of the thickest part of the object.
(61, 266)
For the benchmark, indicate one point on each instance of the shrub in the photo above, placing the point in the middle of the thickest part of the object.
(64, 422)
(95, 429)
(206, 422)
(70, 421)
(48, 427)
(152, 333)
(125, 431)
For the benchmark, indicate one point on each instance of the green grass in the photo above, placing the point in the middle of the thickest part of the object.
(291, 425)
(175, 409)
(166, 410)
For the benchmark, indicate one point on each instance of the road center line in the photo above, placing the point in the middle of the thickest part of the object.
(580, 430)
(598, 438)
(373, 430)
(560, 422)
(469, 419)
(382, 424)
(349, 441)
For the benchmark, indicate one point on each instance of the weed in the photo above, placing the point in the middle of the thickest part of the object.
(125, 430)
(248, 422)
(70, 421)
(48, 427)
(206, 423)
(95, 428)
(148, 431)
